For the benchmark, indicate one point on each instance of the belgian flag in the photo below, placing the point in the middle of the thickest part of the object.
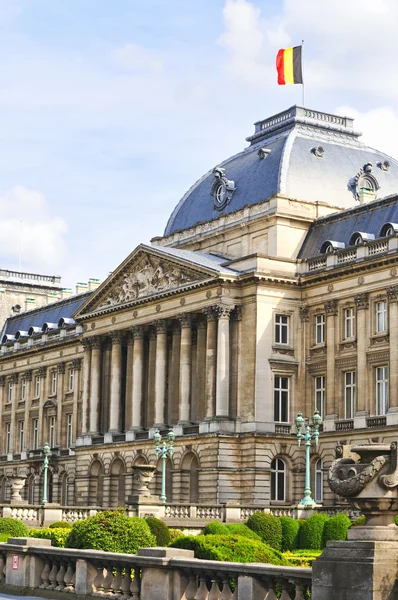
(288, 66)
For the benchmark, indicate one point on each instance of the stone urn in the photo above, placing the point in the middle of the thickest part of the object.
(142, 477)
(16, 482)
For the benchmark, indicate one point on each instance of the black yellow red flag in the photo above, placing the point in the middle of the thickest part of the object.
(289, 66)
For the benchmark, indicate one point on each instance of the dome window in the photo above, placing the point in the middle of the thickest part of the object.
(33, 330)
(330, 246)
(7, 338)
(263, 153)
(389, 229)
(222, 189)
(384, 166)
(318, 151)
(360, 237)
(364, 185)
(21, 334)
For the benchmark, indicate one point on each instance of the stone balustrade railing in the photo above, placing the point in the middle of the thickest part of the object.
(152, 574)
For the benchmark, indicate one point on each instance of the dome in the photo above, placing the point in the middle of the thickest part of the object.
(299, 153)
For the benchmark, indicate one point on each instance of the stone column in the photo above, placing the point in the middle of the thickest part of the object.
(174, 379)
(160, 372)
(362, 303)
(201, 368)
(86, 384)
(14, 379)
(392, 294)
(60, 398)
(76, 365)
(185, 368)
(95, 379)
(332, 410)
(27, 376)
(138, 366)
(43, 434)
(116, 382)
(211, 361)
(222, 381)
(129, 381)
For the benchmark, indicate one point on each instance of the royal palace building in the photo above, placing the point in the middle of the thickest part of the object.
(273, 290)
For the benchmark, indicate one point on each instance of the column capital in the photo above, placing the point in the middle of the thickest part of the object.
(152, 334)
(185, 320)
(392, 293)
(61, 367)
(14, 377)
(42, 372)
(362, 300)
(223, 311)
(236, 314)
(96, 342)
(331, 308)
(116, 337)
(76, 364)
(304, 313)
(27, 375)
(210, 313)
(86, 343)
(161, 326)
(200, 322)
(138, 332)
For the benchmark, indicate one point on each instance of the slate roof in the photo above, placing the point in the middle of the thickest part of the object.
(366, 218)
(198, 259)
(291, 168)
(45, 314)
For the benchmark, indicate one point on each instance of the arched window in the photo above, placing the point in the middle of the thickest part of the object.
(117, 496)
(319, 480)
(190, 478)
(278, 480)
(95, 484)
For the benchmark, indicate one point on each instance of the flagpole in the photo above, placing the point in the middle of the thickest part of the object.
(302, 70)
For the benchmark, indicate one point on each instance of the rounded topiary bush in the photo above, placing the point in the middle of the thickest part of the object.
(57, 535)
(230, 548)
(360, 521)
(336, 528)
(60, 525)
(111, 531)
(268, 527)
(311, 532)
(159, 530)
(290, 533)
(241, 529)
(13, 527)
(175, 534)
(215, 528)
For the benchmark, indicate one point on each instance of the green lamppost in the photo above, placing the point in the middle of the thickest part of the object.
(308, 436)
(47, 453)
(164, 452)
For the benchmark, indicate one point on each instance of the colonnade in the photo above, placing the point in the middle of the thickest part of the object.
(166, 372)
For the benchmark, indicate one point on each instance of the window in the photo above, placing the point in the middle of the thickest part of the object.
(8, 438)
(53, 382)
(320, 393)
(381, 317)
(281, 399)
(278, 480)
(349, 394)
(21, 428)
(381, 390)
(319, 481)
(69, 434)
(320, 329)
(71, 379)
(10, 392)
(35, 436)
(51, 432)
(23, 390)
(37, 386)
(281, 329)
(349, 323)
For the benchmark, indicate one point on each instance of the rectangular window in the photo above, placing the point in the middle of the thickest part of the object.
(281, 329)
(35, 436)
(349, 323)
(8, 438)
(320, 329)
(10, 392)
(51, 432)
(349, 394)
(320, 394)
(381, 390)
(281, 399)
(21, 433)
(53, 382)
(37, 386)
(71, 379)
(69, 431)
(23, 390)
(381, 317)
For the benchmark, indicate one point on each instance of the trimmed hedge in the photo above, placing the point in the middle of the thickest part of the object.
(175, 534)
(268, 527)
(359, 522)
(311, 532)
(241, 529)
(215, 528)
(290, 533)
(159, 530)
(57, 535)
(60, 525)
(302, 558)
(336, 528)
(13, 527)
(111, 531)
(231, 548)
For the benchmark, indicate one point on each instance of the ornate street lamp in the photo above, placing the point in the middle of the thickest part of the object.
(47, 453)
(308, 436)
(164, 452)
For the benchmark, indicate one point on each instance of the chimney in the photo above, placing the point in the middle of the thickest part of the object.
(93, 284)
(66, 293)
(81, 288)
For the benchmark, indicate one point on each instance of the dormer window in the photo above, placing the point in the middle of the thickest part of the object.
(330, 246)
(360, 237)
(389, 229)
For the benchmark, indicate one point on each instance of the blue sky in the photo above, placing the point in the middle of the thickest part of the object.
(110, 110)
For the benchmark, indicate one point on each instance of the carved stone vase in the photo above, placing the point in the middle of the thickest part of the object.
(16, 482)
(142, 477)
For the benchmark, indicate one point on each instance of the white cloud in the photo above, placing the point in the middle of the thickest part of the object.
(29, 228)
(132, 57)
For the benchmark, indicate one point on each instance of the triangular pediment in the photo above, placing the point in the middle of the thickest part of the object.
(145, 273)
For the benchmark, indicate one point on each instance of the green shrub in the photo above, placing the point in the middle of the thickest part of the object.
(175, 534)
(58, 536)
(215, 528)
(13, 527)
(359, 522)
(336, 528)
(241, 529)
(4, 537)
(290, 533)
(395, 519)
(311, 532)
(60, 525)
(268, 527)
(231, 548)
(159, 530)
(111, 531)
(302, 558)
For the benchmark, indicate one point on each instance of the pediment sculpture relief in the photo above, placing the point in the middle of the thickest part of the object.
(146, 276)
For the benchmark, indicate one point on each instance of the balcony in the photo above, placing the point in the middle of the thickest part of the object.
(373, 422)
(191, 430)
(282, 428)
(345, 425)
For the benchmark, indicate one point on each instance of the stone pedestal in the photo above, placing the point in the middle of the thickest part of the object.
(356, 570)
(145, 506)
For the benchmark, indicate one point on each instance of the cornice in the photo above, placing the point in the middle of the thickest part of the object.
(43, 347)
